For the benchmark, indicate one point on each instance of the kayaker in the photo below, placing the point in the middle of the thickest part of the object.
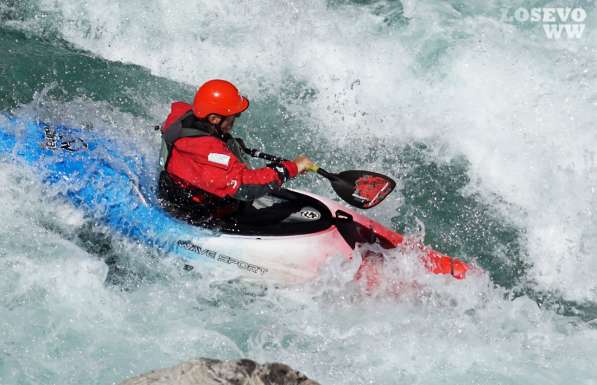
(203, 171)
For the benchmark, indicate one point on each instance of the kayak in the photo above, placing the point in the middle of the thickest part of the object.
(93, 173)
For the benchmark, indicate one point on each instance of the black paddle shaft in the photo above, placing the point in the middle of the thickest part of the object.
(258, 154)
(255, 153)
(363, 189)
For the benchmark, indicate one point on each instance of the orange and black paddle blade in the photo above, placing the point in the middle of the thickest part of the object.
(362, 189)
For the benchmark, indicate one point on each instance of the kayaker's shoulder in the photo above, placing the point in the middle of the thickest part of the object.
(202, 144)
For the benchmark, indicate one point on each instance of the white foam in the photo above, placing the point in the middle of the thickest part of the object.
(519, 107)
(59, 320)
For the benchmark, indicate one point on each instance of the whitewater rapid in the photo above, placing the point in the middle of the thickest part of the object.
(502, 114)
(518, 106)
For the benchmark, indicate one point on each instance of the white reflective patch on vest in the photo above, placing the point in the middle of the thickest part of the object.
(218, 158)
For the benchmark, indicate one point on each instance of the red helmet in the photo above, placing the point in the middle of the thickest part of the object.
(218, 97)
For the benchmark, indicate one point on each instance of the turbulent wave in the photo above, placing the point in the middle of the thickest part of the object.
(487, 125)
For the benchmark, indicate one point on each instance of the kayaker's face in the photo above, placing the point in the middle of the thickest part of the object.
(225, 123)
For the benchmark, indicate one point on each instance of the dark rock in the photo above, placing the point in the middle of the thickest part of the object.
(206, 371)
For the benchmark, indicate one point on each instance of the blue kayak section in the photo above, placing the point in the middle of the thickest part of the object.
(92, 172)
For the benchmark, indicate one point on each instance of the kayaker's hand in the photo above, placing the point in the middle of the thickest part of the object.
(303, 163)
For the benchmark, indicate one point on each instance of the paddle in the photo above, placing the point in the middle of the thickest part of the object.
(362, 189)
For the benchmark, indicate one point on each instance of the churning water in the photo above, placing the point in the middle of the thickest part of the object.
(487, 124)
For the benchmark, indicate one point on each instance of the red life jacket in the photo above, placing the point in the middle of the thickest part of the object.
(173, 129)
(212, 165)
